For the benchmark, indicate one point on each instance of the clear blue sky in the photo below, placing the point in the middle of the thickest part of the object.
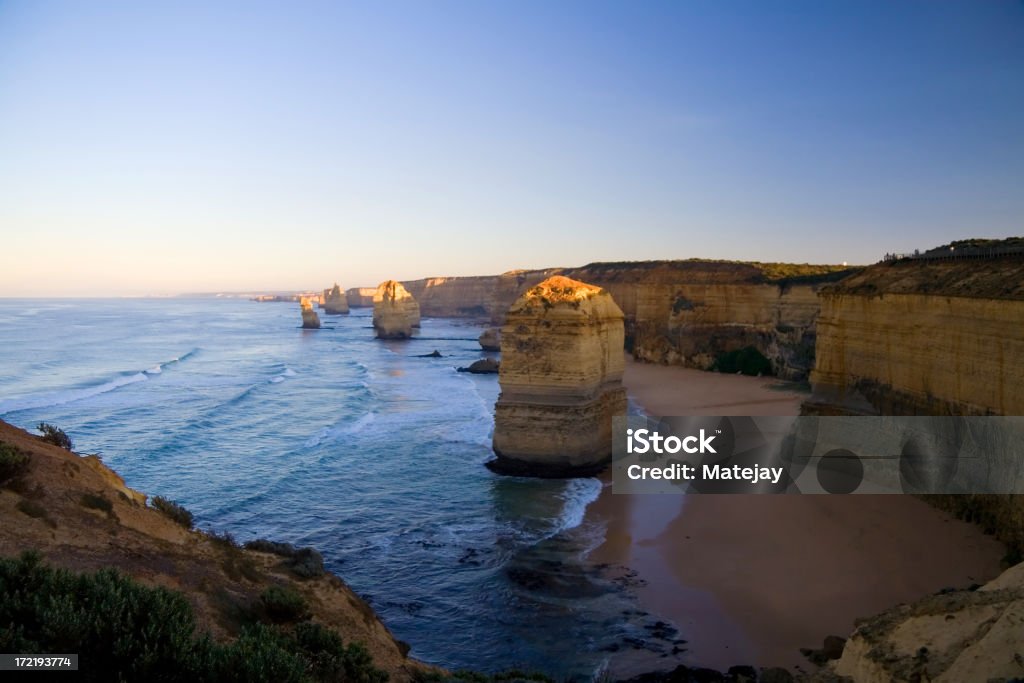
(185, 146)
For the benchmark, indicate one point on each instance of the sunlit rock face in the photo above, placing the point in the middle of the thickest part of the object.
(310, 320)
(395, 312)
(360, 297)
(561, 381)
(923, 338)
(335, 301)
(490, 340)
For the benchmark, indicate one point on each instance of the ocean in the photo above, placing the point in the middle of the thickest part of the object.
(330, 438)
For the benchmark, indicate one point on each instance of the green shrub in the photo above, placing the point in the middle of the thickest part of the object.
(97, 501)
(55, 435)
(306, 563)
(284, 604)
(748, 361)
(130, 632)
(123, 630)
(174, 511)
(332, 660)
(260, 654)
(12, 461)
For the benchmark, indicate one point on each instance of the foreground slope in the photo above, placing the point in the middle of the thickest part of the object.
(80, 516)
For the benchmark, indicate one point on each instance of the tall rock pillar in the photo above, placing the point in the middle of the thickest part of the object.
(310, 320)
(395, 312)
(561, 381)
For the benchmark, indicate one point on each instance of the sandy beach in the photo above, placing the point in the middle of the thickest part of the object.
(751, 579)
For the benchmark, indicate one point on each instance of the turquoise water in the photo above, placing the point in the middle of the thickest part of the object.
(333, 439)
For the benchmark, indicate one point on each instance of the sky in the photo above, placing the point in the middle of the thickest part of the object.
(158, 148)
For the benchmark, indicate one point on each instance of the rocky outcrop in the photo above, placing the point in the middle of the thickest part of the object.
(310, 320)
(561, 381)
(360, 297)
(923, 338)
(490, 339)
(484, 366)
(395, 311)
(335, 302)
(969, 635)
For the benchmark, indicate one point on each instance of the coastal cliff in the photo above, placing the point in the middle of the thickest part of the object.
(561, 381)
(395, 311)
(919, 337)
(78, 515)
(676, 312)
(454, 297)
(360, 297)
(928, 336)
(691, 313)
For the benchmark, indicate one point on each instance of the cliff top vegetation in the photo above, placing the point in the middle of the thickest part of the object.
(717, 271)
(997, 278)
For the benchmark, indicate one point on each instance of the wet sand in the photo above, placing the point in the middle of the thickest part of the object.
(751, 579)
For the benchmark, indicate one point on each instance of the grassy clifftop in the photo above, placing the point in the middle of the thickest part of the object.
(997, 278)
(707, 270)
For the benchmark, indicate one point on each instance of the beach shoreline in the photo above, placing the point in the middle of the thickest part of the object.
(751, 579)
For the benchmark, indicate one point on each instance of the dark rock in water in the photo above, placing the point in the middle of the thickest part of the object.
(490, 340)
(484, 366)
(435, 354)
(556, 579)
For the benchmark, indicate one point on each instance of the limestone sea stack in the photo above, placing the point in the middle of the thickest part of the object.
(335, 301)
(310, 320)
(561, 381)
(490, 340)
(395, 312)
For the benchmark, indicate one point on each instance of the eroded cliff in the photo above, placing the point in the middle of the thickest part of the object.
(676, 312)
(921, 337)
(561, 380)
(360, 297)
